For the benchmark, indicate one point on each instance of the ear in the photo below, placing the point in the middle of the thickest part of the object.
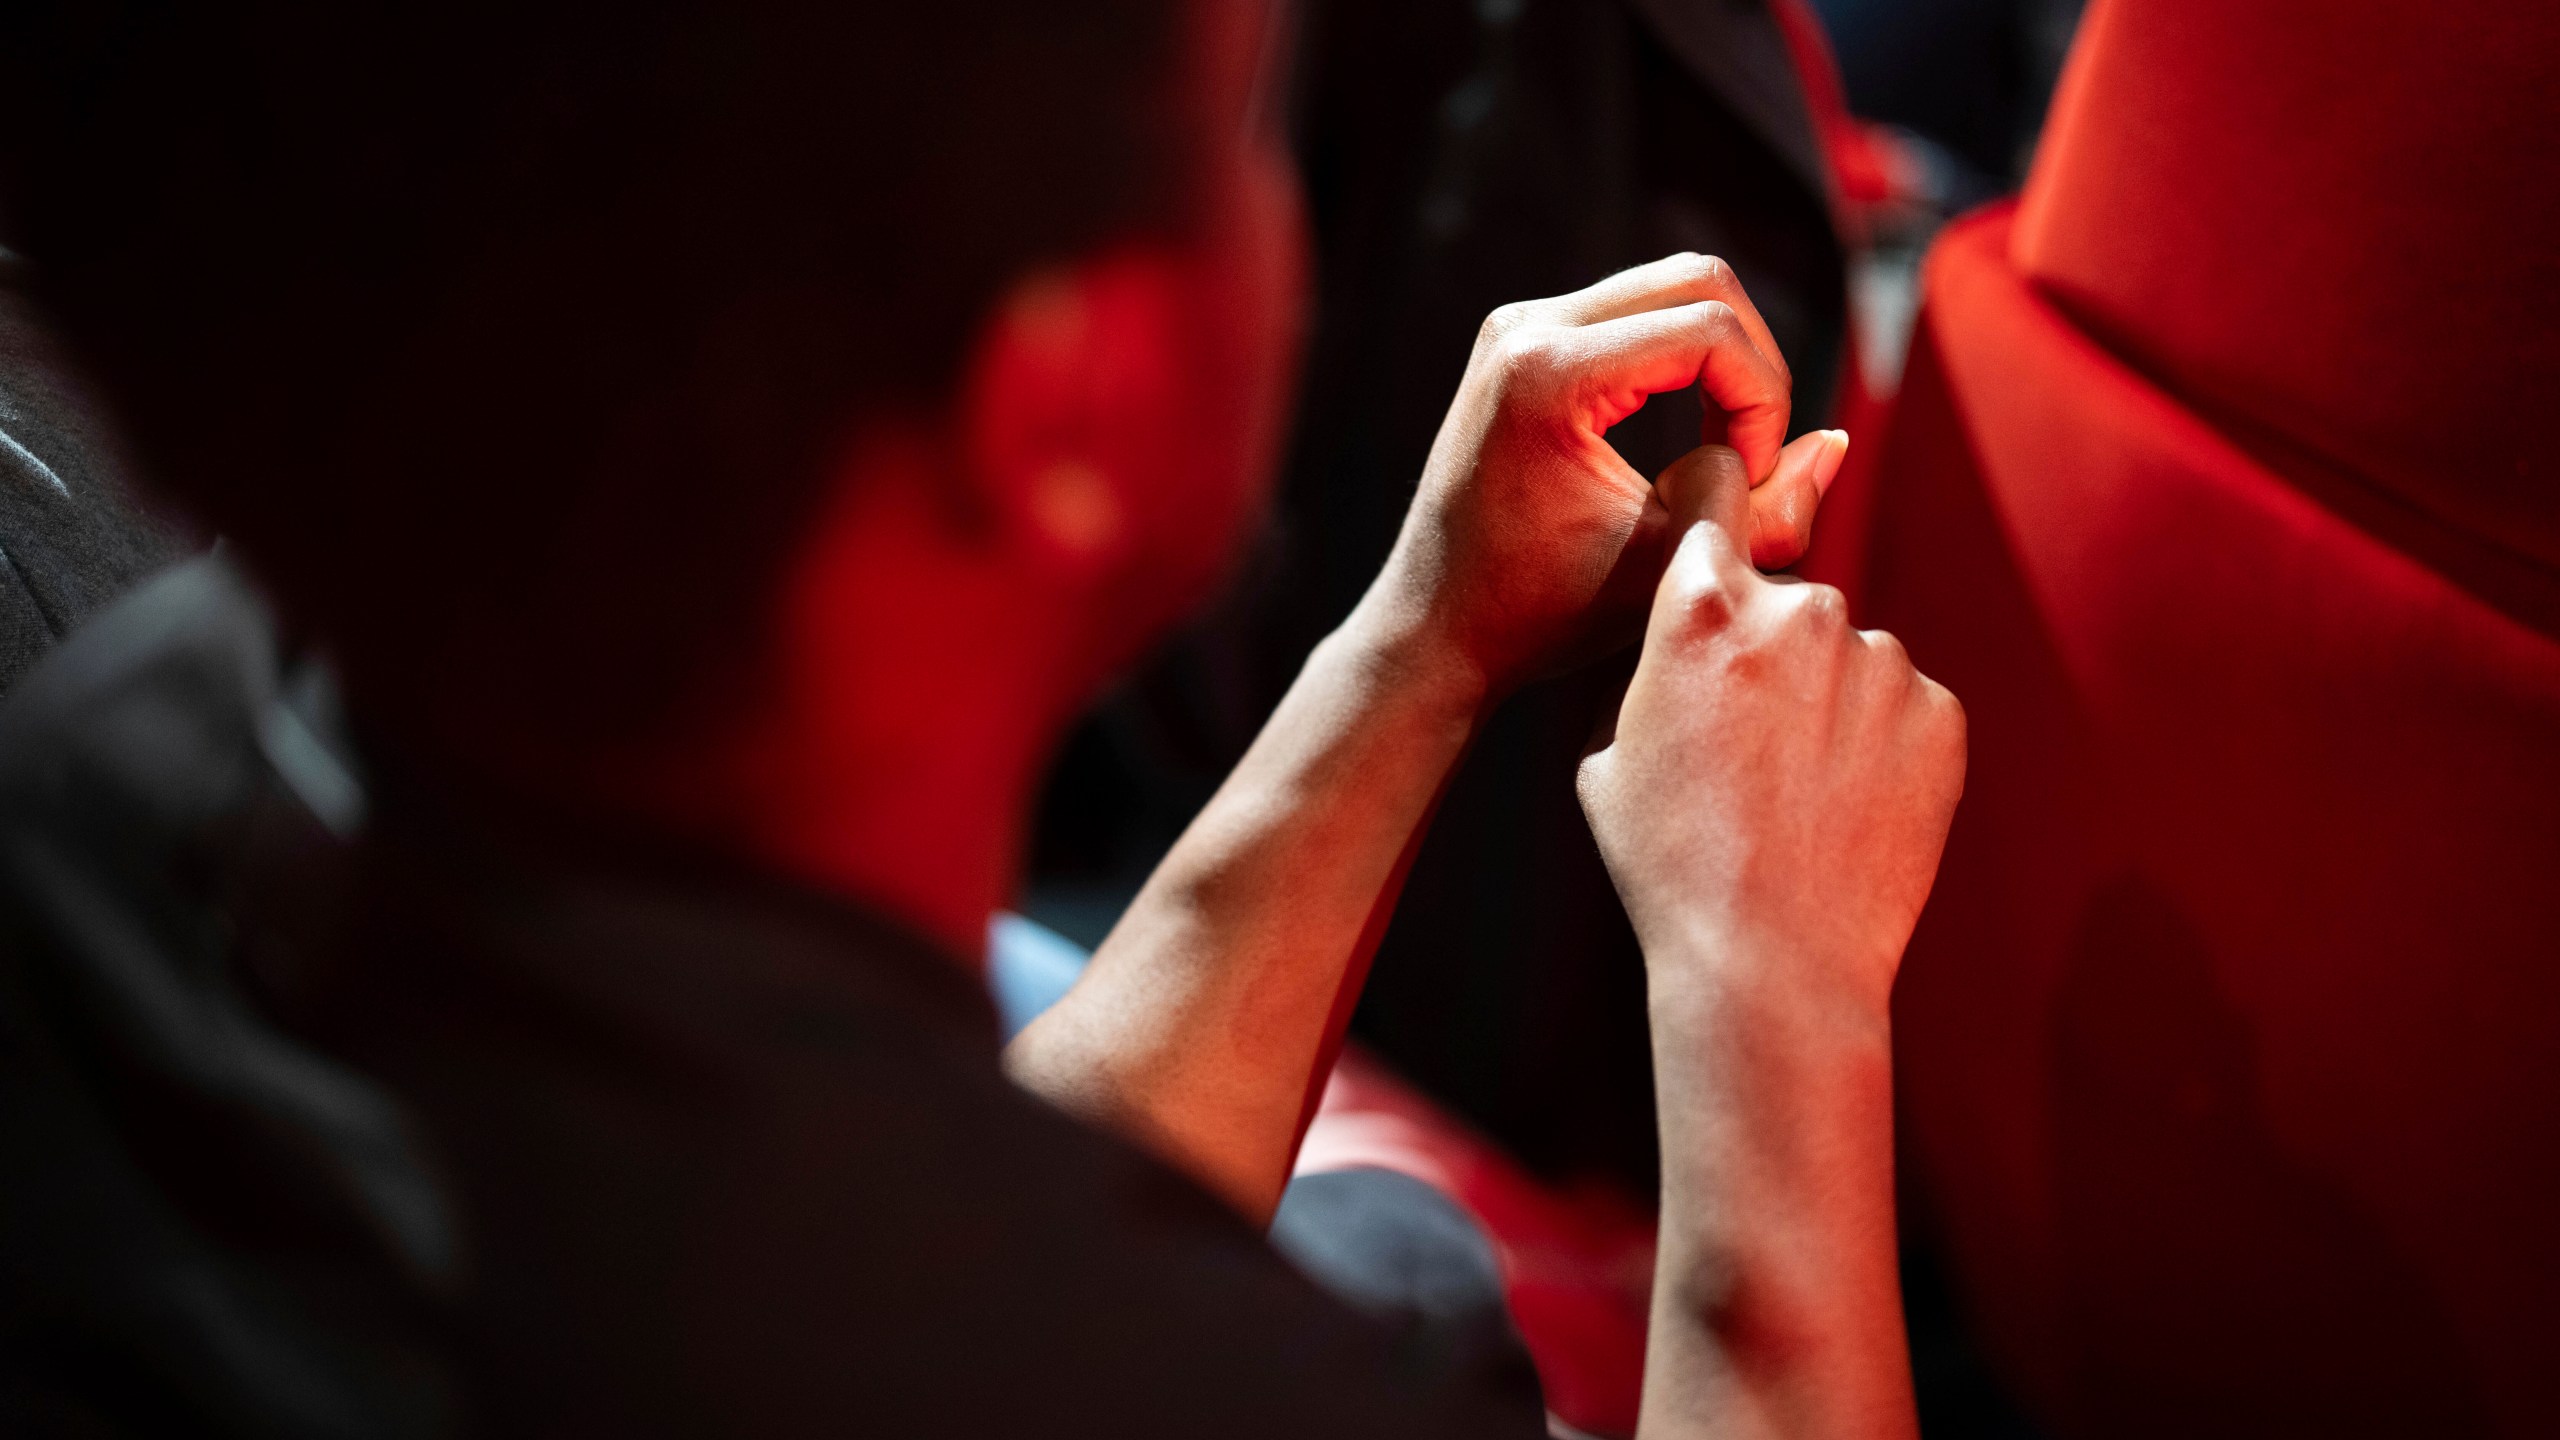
(1069, 397)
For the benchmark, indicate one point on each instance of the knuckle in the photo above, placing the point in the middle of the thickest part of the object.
(1696, 586)
(1538, 364)
(1504, 320)
(1949, 711)
(1591, 780)
(1710, 270)
(1531, 341)
(1718, 317)
(1516, 357)
(1942, 718)
(1822, 608)
(1888, 646)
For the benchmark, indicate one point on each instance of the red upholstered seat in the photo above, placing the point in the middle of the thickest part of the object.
(2334, 220)
(2230, 1042)
(1577, 1266)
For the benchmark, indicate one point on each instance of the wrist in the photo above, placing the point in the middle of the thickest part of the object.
(1810, 961)
(1779, 1010)
(1413, 661)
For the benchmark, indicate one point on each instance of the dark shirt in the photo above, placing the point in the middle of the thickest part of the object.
(483, 1125)
(72, 535)
(206, 1227)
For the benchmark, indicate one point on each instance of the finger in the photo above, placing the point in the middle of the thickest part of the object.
(1704, 344)
(1707, 484)
(1673, 280)
(1707, 580)
(1783, 506)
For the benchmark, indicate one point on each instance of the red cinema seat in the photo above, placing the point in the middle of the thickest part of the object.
(1577, 1265)
(2218, 490)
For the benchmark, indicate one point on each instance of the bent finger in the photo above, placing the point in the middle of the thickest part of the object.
(1708, 484)
(1634, 356)
(1683, 279)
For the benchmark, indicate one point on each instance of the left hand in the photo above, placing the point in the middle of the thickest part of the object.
(1531, 544)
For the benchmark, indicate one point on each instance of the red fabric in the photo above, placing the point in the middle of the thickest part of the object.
(1577, 1267)
(1857, 171)
(1838, 554)
(2230, 1042)
(2338, 220)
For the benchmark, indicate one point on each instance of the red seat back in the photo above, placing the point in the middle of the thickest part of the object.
(2333, 221)
(2231, 1040)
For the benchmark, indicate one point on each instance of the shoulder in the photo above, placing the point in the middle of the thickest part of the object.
(780, 1198)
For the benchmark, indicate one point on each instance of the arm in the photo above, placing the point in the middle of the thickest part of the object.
(1196, 1026)
(1771, 804)
(1208, 1015)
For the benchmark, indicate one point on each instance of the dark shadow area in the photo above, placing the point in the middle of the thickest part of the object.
(2218, 1287)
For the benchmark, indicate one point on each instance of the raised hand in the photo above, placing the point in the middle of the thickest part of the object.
(1771, 804)
(1530, 543)
(1773, 771)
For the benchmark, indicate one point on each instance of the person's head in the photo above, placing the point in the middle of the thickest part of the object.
(594, 377)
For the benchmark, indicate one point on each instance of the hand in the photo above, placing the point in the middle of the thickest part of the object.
(1778, 785)
(1531, 543)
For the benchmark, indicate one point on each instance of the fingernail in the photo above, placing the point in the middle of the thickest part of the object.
(1826, 466)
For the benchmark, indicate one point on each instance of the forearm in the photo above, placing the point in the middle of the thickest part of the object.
(1777, 1303)
(1201, 1021)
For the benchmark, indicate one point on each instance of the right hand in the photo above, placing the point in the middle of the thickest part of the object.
(1778, 785)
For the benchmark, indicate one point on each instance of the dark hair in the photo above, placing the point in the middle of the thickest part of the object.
(512, 340)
